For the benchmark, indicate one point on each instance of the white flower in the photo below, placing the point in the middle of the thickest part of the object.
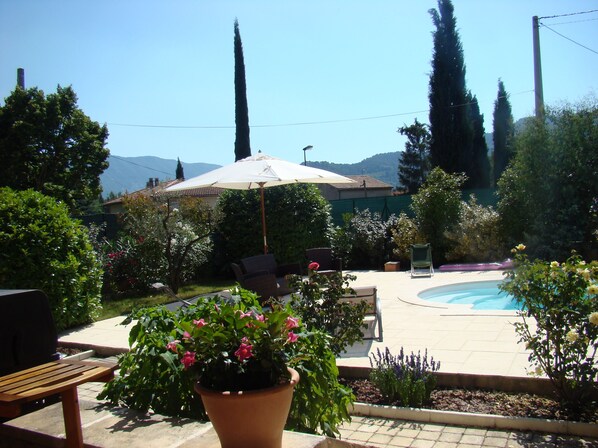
(520, 247)
(572, 336)
(554, 264)
(585, 273)
(593, 289)
(594, 318)
(539, 371)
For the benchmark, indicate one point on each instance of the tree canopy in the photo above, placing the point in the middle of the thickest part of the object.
(414, 162)
(504, 131)
(48, 144)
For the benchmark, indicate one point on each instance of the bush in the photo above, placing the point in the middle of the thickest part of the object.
(366, 237)
(151, 377)
(560, 323)
(316, 301)
(297, 218)
(437, 206)
(404, 234)
(41, 247)
(476, 237)
(407, 379)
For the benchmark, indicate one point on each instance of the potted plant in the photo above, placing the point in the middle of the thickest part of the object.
(240, 354)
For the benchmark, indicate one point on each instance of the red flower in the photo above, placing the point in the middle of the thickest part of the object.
(292, 322)
(245, 350)
(188, 359)
(313, 266)
(292, 337)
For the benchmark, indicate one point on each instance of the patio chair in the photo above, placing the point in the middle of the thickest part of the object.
(263, 283)
(421, 260)
(324, 256)
(266, 263)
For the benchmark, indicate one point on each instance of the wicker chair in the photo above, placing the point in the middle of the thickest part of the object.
(324, 256)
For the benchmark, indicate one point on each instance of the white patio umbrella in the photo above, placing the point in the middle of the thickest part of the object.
(260, 171)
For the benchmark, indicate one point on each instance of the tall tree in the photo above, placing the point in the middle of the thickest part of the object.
(180, 174)
(242, 145)
(414, 162)
(504, 131)
(48, 144)
(479, 171)
(450, 123)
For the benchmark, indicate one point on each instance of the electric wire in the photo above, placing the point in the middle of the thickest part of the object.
(569, 39)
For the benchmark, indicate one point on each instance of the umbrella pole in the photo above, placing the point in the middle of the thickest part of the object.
(263, 218)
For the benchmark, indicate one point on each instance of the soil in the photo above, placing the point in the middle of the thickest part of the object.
(478, 401)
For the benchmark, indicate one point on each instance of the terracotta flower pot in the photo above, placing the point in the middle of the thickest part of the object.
(249, 419)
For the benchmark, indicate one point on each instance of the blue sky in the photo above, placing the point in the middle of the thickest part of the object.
(354, 70)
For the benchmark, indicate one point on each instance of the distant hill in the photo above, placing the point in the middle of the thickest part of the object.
(128, 174)
(381, 166)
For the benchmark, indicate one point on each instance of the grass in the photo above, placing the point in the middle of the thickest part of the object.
(123, 306)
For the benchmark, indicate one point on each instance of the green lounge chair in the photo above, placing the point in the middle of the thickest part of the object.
(421, 260)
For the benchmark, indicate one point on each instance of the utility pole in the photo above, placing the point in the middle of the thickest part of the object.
(539, 90)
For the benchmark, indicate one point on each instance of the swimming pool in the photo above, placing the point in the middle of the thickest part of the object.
(483, 295)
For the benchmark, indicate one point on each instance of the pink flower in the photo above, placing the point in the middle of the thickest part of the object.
(188, 359)
(245, 350)
(172, 345)
(186, 336)
(261, 318)
(292, 322)
(313, 266)
(243, 315)
(292, 337)
(199, 323)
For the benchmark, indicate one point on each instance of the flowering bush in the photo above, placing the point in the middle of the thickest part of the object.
(157, 373)
(235, 347)
(559, 322)
(407, 379)
(316, 300)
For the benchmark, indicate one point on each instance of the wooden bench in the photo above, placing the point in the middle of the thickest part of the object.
(373, 316)
(29, 366)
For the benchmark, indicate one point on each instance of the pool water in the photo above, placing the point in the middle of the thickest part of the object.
(481, 295)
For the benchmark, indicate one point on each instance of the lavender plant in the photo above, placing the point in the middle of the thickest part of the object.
(407, 379)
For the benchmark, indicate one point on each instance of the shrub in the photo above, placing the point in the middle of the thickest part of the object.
(297, 217)
(170, 244)
(152, 377)
(404, 234)
(559, 323)
(316, 301)
(366, 237)
(41, 247)
(476, 237)
(437, 205)
(407, 379)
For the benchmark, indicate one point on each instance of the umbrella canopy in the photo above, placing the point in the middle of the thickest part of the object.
(260, 171)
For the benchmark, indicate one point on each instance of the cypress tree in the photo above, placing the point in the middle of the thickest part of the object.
(414, 162)
(479, 175)
(504, 131)
(180, 174)
(450, 123)
(242, 146)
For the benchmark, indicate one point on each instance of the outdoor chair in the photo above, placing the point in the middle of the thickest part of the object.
(373, 315)
(421, 260)
(266, 264)
(263, 283)
(324, 256)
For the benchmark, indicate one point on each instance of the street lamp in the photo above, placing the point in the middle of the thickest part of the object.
(307, 148)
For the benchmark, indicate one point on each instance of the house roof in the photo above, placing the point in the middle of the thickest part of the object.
(152, 191)
(370, 182)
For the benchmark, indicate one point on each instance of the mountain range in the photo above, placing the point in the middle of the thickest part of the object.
(128, 174)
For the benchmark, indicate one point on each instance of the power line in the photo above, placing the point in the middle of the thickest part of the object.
(138, 164)
(569, 14)
(301, 123)
(569, 39)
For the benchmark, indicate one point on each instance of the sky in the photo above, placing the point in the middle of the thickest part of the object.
(339, 75)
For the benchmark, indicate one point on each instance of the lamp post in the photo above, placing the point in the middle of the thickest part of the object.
(307, 148)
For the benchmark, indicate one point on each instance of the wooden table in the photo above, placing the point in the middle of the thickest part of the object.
(57, 377)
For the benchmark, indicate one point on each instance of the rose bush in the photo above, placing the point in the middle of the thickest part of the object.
(559, 323)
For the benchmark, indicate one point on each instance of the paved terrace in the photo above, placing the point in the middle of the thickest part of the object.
(464, 341)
